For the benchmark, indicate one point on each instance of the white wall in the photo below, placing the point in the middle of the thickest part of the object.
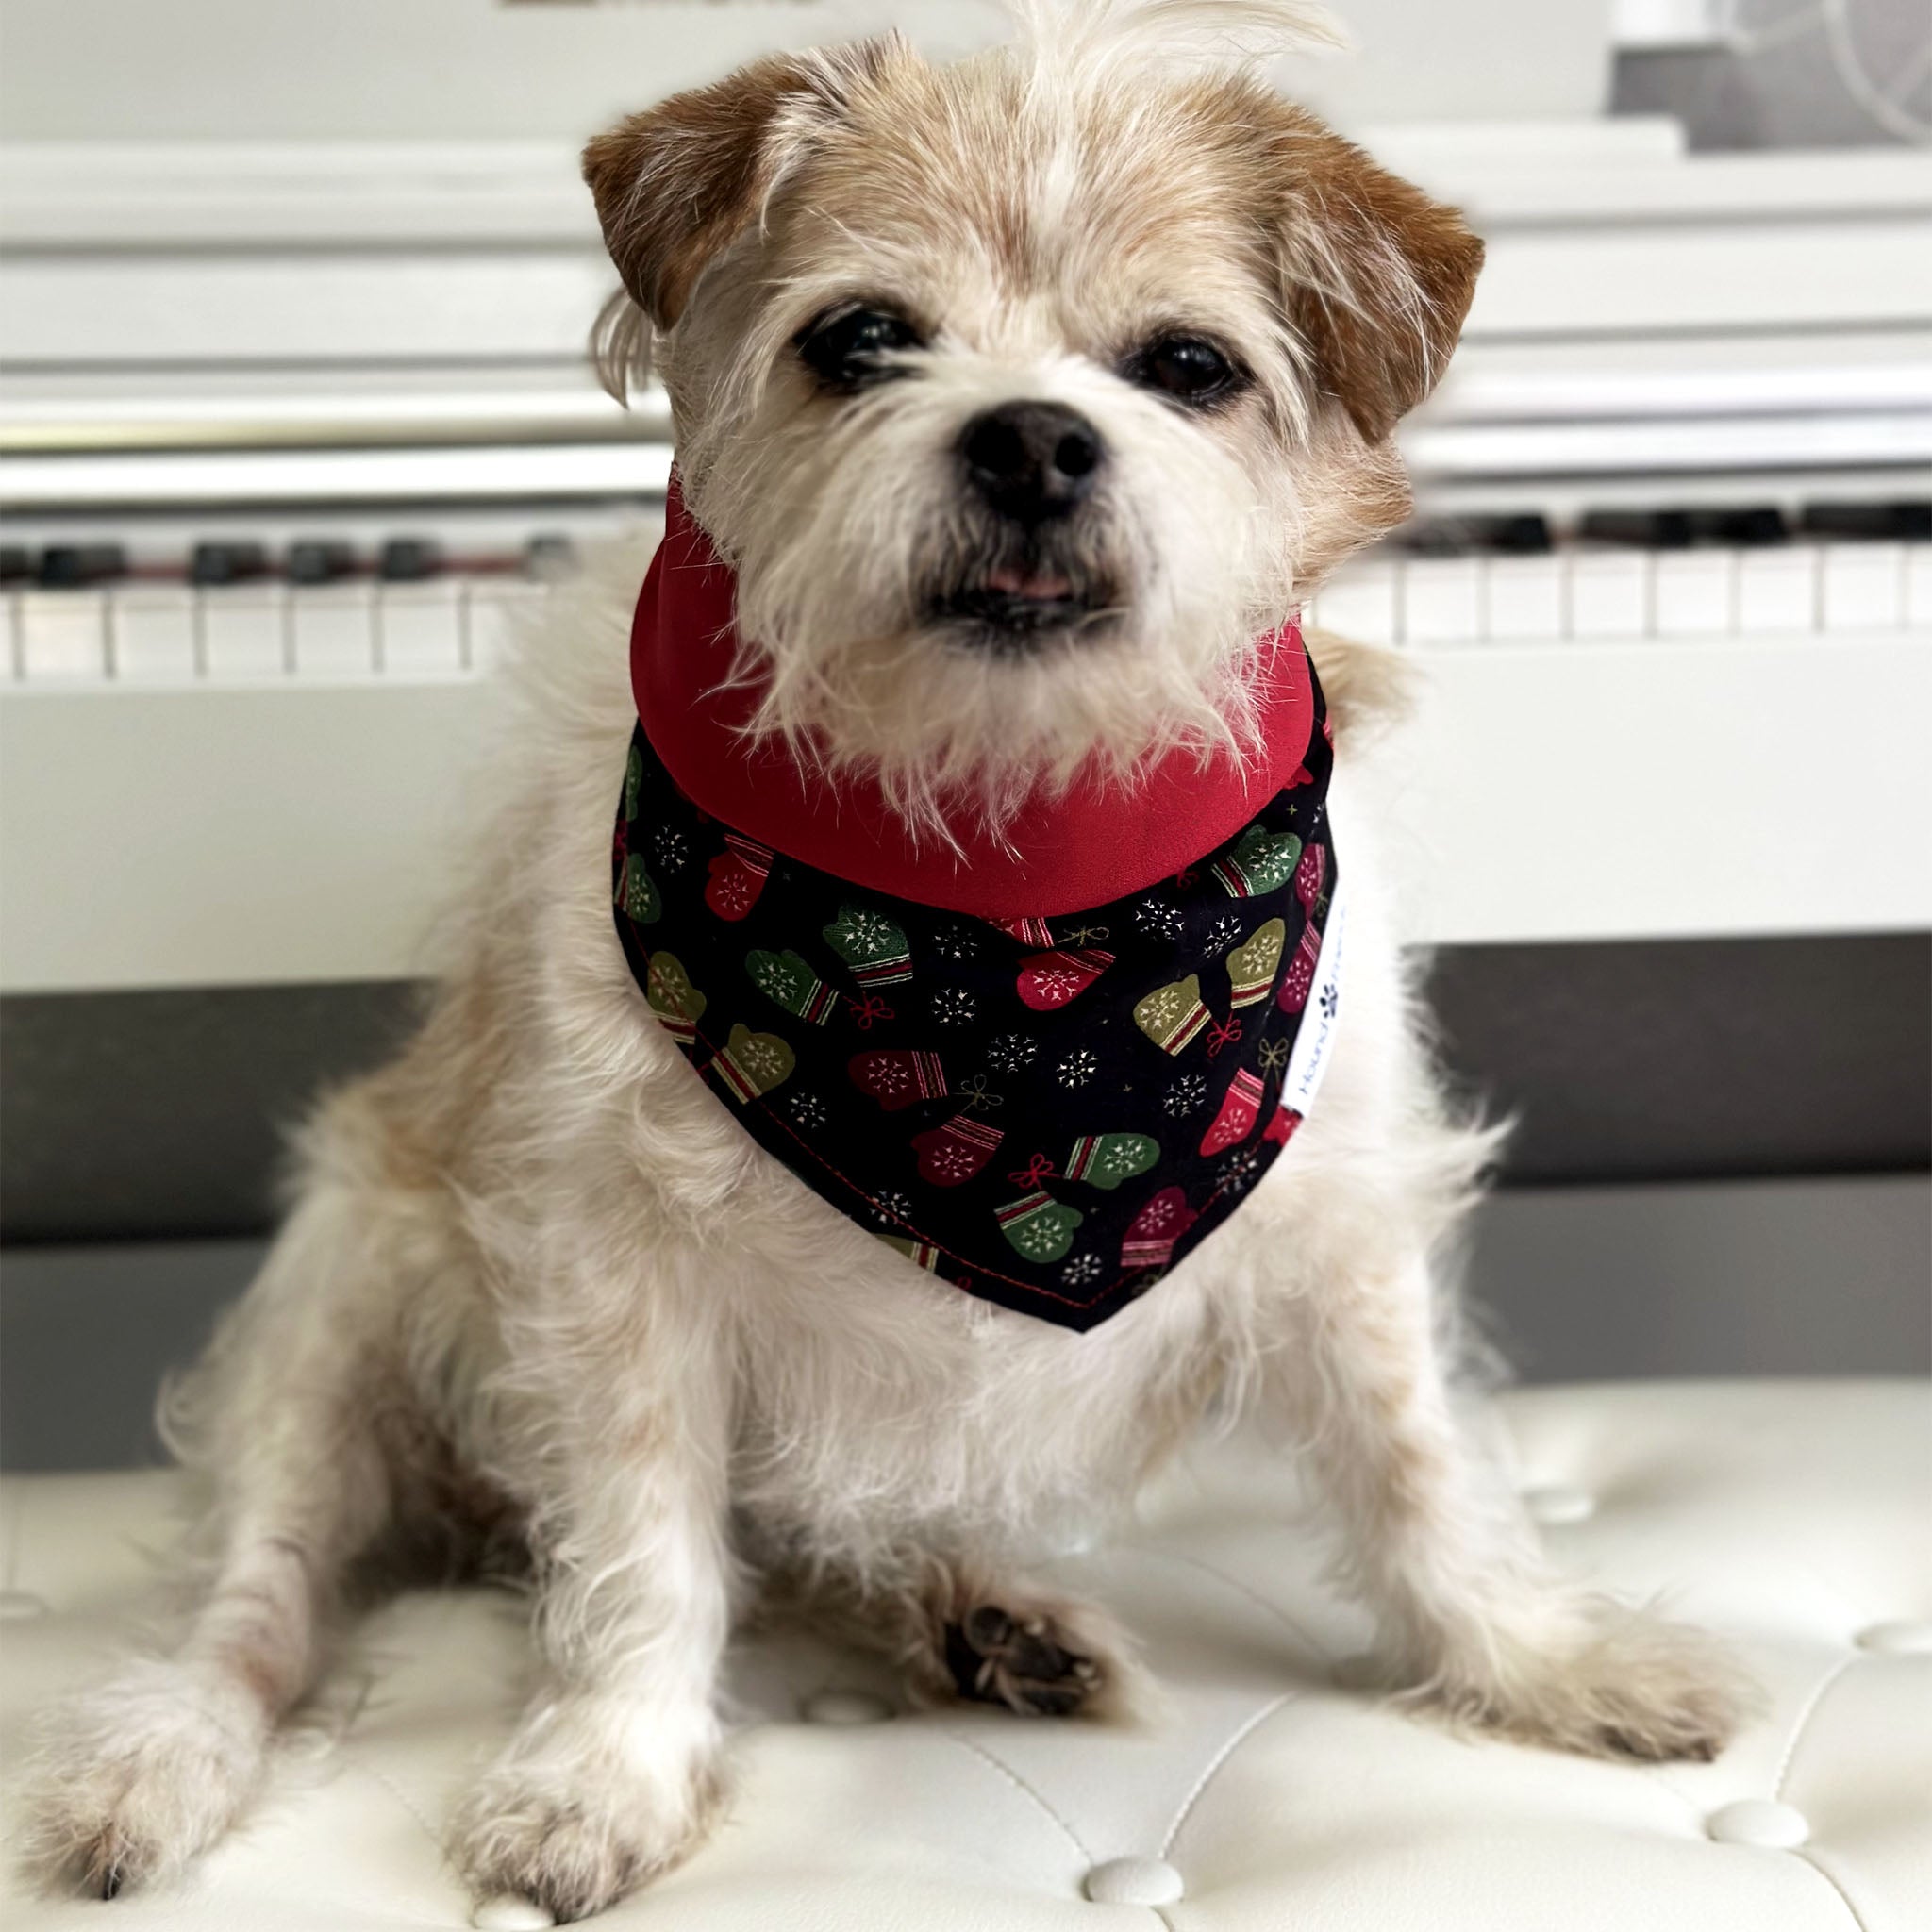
(139, 70)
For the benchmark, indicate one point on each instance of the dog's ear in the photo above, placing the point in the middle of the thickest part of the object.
(676, 185)
(1377, 277)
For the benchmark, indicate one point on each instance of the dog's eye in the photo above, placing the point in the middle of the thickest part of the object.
(1186, 368)
(846, 348)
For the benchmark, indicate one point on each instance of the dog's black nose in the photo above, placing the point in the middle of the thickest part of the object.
(1032, 460)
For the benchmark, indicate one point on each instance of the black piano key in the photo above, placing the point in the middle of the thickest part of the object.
(320, 562)
(16, 563)
(1908, 521)
(1437, 537)
(1526, 533)
(1751, 527)
(1644, 529)
(74, 566)
(409, 560)
(211, 564)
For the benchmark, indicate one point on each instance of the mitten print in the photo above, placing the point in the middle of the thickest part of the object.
(951, 1155)
(738, 875)
(1260, 861)
(1251, 967)
(1170, 1016)
(678, 1004)
(870, 944)
(1038, 1226)
(1240, 1107)
(1300, 976)
(1049, 981)
(1108, 1160)
(1151, 1238)
(787, 978)
(637, 892)
(752, 1063)
(896, 1077)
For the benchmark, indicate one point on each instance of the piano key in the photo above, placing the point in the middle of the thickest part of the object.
(1435, 537)
(1526, 598)
(1359, 602)
(496, 612)
(1644, 530)
(244, 631)
(320, 561)
(1862, 586)
(1609, 594)
(154, 629)
(1908, 521)
(1746, 528)
(69, 566)
(1919, 585)
(1441, 600)
(419, 627)
(1777, 588)
(332, 630)
(62, 635)
(16, 563)
(1527, 534)
(409, 559)
(550, 555)
(226, 562)
(1693, 592)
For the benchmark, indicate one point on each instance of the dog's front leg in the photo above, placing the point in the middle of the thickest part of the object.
(613, 1774)
(1435, 1542)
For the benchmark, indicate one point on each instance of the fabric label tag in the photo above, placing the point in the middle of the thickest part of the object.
(1312, 1044)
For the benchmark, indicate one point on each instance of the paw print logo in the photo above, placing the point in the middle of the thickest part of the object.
(1332, 1002)
(952, 1005)
(1078, 1068)
(1010, 1052)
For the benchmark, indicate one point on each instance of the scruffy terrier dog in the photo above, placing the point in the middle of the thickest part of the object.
(1018, 404)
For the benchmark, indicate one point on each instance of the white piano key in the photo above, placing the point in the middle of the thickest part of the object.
(419, 627)
(1361, 602)
(63, 635)
(1441, 600)
(497, 609)
(333, 630)
(244, 631)
(1918, 584)
(1526, 598)
(1864, 586)
(1693, 593)
(1609, 594)
(154, 630)
(1777, 588)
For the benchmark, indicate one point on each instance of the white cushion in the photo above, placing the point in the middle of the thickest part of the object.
(1793, 1517)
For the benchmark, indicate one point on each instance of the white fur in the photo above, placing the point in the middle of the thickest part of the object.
(538, 1291)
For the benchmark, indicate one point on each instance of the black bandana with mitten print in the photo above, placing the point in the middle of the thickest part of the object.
(1048, 1113)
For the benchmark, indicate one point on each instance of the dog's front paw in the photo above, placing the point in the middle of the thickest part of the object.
(573, 1833)
(138, 1777)
(1038, 1659)
(1608, 1681)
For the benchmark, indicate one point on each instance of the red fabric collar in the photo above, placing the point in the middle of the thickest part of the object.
(1094, 844)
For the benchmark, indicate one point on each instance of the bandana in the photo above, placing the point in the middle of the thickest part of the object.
(1045, 1078)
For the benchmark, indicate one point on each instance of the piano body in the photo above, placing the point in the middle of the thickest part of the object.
(289, 436)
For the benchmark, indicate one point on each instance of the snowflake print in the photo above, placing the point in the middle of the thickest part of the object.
(952, 1005)
(671, 847)
(1155, 916)
(890, 1207)
(1239, 1169)
(1078, 1068)
(1055, 986)
(808, 1110)
(1083, 1270)
(954, 942)
(1222, 933)
(1332, 1002)
(869, 932)
(1184, 1095)
(762, 1060)
(1010, 1052)
(771, 977)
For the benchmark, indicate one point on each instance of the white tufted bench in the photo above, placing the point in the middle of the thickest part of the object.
(1796, 1518)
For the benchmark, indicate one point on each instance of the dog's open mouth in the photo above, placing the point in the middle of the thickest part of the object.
(1016, 604)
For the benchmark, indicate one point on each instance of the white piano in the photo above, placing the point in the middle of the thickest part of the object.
(289, 437)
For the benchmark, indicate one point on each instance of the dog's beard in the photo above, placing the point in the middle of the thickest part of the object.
(895, 626)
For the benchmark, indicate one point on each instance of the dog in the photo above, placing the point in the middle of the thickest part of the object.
(1018, 403)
